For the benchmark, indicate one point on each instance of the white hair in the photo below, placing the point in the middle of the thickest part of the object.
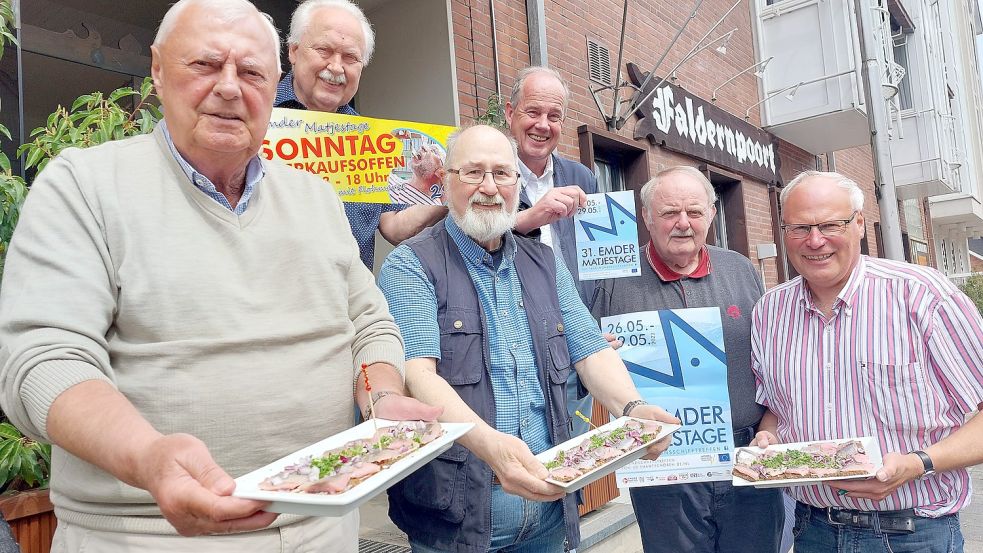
(527, 72)
(228, 11)
(844, 182)
(649, 188)
(301, 19)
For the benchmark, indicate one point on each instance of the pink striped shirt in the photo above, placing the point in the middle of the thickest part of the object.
(901, 359)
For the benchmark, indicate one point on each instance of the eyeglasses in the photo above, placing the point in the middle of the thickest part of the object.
(476, 175)
(835, 227)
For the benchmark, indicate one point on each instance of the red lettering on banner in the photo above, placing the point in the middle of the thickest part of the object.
(280, 149)
(310, 148)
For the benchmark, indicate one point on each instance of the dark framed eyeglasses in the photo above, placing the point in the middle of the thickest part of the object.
(476, 175)
(835, 227)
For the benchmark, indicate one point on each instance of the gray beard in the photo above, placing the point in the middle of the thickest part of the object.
(484, 226)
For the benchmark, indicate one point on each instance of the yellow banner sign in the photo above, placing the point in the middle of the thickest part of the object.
(365, 159)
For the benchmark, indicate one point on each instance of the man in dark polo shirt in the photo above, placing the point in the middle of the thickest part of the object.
(682, 272)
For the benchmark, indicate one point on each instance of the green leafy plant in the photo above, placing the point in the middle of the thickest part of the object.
(6, 24)
(24, 463)
(13, 190)
(495, 113)
(12, 187)
(93, 119)
(973, 287)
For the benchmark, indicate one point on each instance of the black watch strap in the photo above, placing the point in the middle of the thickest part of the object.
(927, 463)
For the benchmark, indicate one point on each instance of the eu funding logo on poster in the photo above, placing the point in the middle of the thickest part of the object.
(607, 236)
(676, 359)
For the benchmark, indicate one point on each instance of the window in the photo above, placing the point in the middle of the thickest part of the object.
(619, 164)
(913, 219)
(719, 227)
(904, 86)
(729, 228)
(919, 252)
(610, 176)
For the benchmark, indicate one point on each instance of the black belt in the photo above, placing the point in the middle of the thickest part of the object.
(743, 436)
(889, 522)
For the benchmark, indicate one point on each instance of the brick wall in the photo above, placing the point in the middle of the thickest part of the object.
(651, 26)
(856, 163)
(975, 263)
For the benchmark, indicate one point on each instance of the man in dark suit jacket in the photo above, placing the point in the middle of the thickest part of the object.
(552, 187)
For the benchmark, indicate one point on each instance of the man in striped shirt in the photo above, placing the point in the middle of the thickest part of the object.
(425, 183)
(860, 346)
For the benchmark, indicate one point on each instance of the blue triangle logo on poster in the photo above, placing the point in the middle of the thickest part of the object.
(672, 323)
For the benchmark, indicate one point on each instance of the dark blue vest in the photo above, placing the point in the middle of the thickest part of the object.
(446, 504)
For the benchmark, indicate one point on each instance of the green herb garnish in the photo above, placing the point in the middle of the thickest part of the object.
(619, 434)
(558, 461)
(793, 458)
(326, 465)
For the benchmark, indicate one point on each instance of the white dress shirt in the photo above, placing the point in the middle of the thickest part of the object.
(536, 187)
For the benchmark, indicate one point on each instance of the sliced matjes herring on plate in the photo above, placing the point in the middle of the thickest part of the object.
(337, 474)
(801, 463)
(585, 458)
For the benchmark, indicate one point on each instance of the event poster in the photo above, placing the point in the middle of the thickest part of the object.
(676, 359)
(607, 236)
(365, 159)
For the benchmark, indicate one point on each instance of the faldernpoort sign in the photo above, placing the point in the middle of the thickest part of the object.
(682, 122)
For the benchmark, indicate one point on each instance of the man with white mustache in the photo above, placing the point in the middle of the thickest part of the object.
(493, 327)
(330, 43)
(683, 272)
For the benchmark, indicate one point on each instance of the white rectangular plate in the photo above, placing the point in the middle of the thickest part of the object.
(870, 444)
(608, 467)
(312, 504)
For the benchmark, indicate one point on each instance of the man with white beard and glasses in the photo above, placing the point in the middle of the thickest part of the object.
(493, 326)
(329, 45)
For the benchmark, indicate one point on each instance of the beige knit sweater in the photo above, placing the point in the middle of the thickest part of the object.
(241, 330)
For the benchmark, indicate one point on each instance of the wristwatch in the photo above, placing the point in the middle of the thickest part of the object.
(927, 463)
(632, 405)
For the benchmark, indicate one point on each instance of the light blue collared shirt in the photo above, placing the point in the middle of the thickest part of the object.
(254, 173)
(519, 403)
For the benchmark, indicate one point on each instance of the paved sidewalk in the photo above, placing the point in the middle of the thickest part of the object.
(381, 536)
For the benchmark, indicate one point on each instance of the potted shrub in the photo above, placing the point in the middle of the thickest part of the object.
(93, 119)
(25, 466)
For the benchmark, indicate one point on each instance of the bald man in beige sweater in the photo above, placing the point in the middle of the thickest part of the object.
(176, 312)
